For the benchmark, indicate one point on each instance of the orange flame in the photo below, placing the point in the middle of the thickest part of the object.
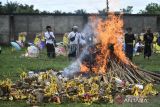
(83, 68)
(109, 32)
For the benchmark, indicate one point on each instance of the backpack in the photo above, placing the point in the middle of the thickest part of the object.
(73, 38)
(158, 40)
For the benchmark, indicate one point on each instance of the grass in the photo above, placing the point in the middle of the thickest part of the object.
(12, 63)
(151, 65)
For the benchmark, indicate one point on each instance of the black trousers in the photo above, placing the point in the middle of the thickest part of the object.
(50, 50)
(129, 51)
(147, 50)
(72, 50)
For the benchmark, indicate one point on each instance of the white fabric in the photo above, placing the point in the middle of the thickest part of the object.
(47, 36)
(75, 27)
(60, 50)
(138, 45)
(32, 51)
(73, 34)
(78, 36)
(82, 39)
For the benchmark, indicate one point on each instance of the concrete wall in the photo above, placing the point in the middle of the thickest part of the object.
(32, 24)
(158, 23)
(140, 22)
(4, 28)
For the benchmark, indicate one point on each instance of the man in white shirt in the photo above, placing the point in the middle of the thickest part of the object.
(50, 42)
(75, 42)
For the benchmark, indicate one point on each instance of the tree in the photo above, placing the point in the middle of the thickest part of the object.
(14, 7)
(152, 8)
(25, 9)
(80, 11)
(58, 12)
(102, 12)
(45, 12)
(1, 7)
(127, 10)
(10, 7)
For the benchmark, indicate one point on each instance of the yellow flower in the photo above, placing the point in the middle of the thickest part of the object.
(148, 89)
(81, 89)
(23, 75)
(135, 91)
(51, 90)
(94, 89)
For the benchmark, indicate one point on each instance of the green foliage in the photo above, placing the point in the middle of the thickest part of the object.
(59, 12)
(152, 8)
(26, 9)
(102, 12)
(127, 10)
(1, 7)
(45, 12)
(14, 7)
(11, 7)
(80, 11)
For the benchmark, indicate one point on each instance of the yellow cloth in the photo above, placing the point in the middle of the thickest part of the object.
(156, 48)
(65, 40)
(42, 38)
(22, 38)
(37, 41)
(154, 39)
(141, 36)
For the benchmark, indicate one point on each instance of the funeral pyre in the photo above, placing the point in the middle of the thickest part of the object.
(108, 58)
(104, 75)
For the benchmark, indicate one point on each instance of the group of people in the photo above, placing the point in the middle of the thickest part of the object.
(146, 45)
(73, 42)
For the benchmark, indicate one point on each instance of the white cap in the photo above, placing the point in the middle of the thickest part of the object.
(75, 27)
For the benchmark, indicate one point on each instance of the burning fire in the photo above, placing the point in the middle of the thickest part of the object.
(110, 34)
(83, 68)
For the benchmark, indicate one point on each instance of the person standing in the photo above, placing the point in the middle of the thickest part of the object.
(76, 43)
(73, 42)
(50, 42)
(129, 38)
(148, 39)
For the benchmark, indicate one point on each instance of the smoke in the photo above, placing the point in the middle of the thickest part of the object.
(74, 67)
(89, 33)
